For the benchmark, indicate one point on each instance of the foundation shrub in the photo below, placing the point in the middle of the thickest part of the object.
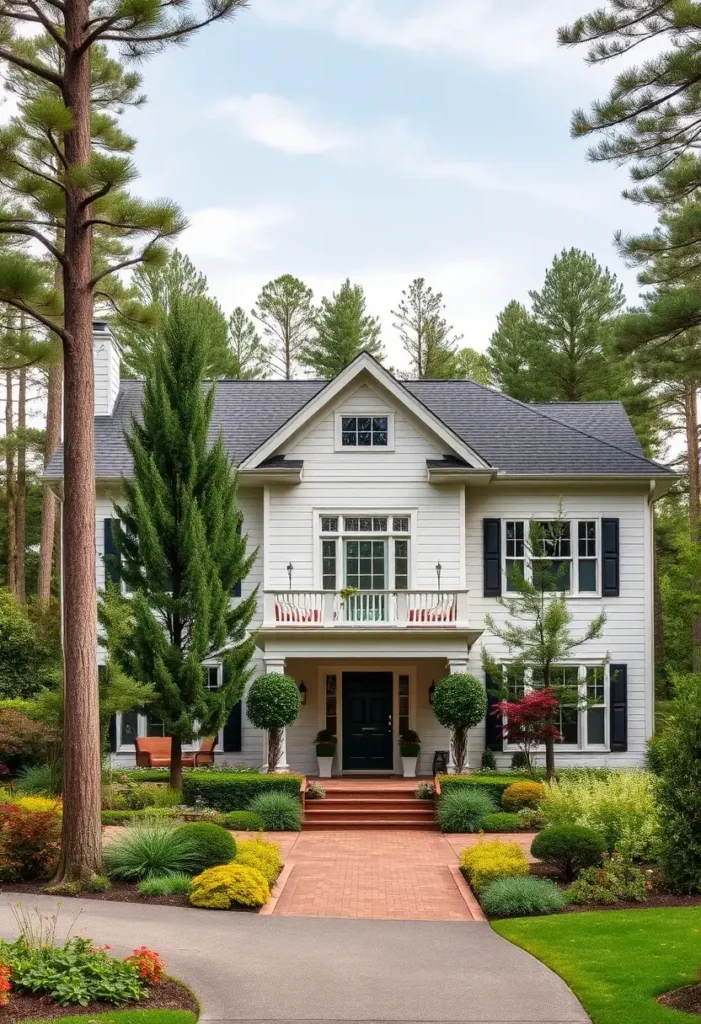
(501, 822)
(235, 791)
(464, 810)
(212, 844)
(569, 848)
(531, 820)
(522, 794)
(29, 842)
(521, 897)
(217, 888)
(490, 860)
(616, 879)
(257, 853)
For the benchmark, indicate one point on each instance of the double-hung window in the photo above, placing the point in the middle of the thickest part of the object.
(564, 556)
(365, 551)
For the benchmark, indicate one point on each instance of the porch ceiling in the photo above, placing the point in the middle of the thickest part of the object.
(451, 644)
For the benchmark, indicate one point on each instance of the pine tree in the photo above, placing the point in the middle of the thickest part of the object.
(84, 189)
(538, 635)
(250, 357)
(426, 336)
(158, 288)
(471, 365)
(181, 549)
(284, 308)
(508, 354)
(343, 330)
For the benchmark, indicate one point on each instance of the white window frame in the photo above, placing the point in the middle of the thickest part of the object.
(338, 431)
(574, 557)
(582, 745)
(142, 723)
(390, 535)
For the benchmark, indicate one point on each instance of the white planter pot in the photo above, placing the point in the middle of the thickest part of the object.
(325, 764)
(409, 767)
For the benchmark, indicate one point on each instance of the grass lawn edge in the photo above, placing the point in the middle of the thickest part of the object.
(125, 1017)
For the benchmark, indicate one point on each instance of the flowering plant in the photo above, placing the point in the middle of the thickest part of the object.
(150, 965)
(530, 721)
(5, 984)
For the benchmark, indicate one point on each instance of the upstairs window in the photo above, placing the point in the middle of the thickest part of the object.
(364, 432)
(565, 558)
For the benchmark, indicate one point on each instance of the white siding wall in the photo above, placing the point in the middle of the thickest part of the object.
(624, 638)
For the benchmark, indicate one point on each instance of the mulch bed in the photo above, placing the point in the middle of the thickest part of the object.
(171, 995)
(119, 893)
(687, 999)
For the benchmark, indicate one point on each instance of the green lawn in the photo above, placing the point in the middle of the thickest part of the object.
(129, 1017)
(617, 961)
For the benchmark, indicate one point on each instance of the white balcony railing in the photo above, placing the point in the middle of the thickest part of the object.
(316, 609)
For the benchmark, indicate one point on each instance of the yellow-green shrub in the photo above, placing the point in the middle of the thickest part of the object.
(522, 794)
(217, 888)
(257, 853)
(486, 861)
(38, 803)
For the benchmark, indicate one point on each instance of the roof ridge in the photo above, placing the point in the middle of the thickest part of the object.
(567, 426)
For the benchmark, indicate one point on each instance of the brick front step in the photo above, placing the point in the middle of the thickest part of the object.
(382, 810)
(367, 823)
(364, 803)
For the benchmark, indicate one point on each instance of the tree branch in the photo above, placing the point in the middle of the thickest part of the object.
(164, 37)
(39, 317)
(48, 25)
(118, 266)
(29, 65)
(31, 233)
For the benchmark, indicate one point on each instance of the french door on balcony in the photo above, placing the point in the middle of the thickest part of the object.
(365, 569)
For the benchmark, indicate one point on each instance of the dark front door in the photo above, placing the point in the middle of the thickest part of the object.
(367, 721)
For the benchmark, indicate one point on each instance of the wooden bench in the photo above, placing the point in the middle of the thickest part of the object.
(155, 751)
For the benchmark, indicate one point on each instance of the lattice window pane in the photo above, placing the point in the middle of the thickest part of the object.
(400, 524)
(328, 564)
(329, 524)
(401, 564)
(587, 539)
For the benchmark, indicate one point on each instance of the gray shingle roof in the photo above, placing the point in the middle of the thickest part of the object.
(513, 437)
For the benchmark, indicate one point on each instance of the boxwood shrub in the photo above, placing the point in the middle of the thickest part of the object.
(234, 792)
(502, 822)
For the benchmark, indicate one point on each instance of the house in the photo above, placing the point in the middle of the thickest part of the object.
(415, 495)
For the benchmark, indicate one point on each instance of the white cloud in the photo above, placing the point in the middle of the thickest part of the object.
(500, 35)
(276, 122)
(233, 233)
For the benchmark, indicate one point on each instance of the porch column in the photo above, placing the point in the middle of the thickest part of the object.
(275, 664)
(456, 666)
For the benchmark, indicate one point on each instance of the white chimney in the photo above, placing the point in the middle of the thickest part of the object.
(106, 360)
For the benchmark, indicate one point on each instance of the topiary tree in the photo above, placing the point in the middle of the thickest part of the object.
(459, 704)
(272, 704)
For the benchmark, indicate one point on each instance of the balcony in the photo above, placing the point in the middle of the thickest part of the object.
(366, 609)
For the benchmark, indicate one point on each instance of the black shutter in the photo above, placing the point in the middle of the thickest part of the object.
(492, 557)
(610, 558)
(112, 557)
(232, 726)
(618, 697)
(493, 739)
(236, 589)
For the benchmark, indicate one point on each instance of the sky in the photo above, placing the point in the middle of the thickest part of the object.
(383, 140)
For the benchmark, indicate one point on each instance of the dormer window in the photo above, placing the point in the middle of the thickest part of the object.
(364, 432)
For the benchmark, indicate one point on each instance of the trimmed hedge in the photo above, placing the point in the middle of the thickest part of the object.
(235, 792)
(493, 784)
(502, 821)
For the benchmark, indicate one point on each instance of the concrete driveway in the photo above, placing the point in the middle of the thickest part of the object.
(252, 969)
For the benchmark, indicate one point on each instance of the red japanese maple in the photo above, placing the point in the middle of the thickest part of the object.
(530, 721)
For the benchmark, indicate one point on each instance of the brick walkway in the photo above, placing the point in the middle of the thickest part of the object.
(390, 875)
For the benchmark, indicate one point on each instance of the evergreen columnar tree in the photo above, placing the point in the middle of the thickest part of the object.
(422, 326)
(508, 354)
(250, 358)
(284, 308)
(343, 330)
(537, 634)
(84, 189)
(157, 288)
(181, 549)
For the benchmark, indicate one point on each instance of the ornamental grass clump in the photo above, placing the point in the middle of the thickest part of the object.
(212, 844)
(569, 848)
(521, 897)
(217, 888)
(166, 885)
(241, 821)
(279, 812)
(256, 853)
(463, 809)
(490, 860)
(147, 849)
(620, 806)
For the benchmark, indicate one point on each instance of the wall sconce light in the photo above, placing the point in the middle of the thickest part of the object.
(302, 692)
(431, 692)
(439, 570)
(290, 570)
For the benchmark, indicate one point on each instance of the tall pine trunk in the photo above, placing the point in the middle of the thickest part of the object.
(81, 852)
(21, 488)
(49, 508)
(10, 487)
(691, 419)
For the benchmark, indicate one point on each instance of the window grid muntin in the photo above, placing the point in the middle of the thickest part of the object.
(584, 572)
(329, 524)
(401, 565)
(590, 681)
(365, 564)
(329, 564)
(364, 431)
